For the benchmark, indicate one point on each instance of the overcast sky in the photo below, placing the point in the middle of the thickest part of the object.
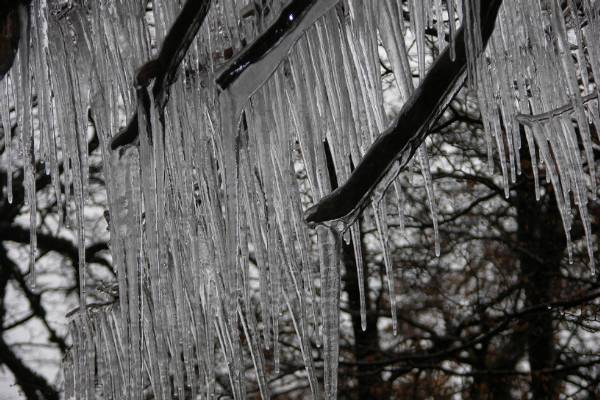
(7, 389)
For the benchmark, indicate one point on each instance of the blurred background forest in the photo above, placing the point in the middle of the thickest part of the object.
(504, 313)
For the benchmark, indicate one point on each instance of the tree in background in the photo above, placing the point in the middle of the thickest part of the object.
(34, 332)
(490, 318)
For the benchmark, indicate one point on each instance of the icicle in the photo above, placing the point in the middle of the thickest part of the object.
(417, 8)
(6, 127)
(473, 40)
(393, 40)
(78, 365)
(68, 366)
(330, 292)
(379, 210)
(151, 346)
(426, 172)
(357, 244)
(256, 353)
(133, 278)
(26, 130)
(581, 60)
(452, 24)
(209, 186)
(300, 328)
(90, 358)
(571, 80)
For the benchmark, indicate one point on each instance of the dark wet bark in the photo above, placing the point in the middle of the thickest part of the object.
(366, 346)
(540, 232)
(400, 142)
(163, 68)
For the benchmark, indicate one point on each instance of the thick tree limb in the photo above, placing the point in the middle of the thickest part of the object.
(164, 67)
(401, 140)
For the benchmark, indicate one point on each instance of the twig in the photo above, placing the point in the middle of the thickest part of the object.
(502, 325)
(530, 120)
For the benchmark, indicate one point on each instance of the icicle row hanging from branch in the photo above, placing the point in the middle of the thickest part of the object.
(538, 84)
(402, 139)
(210, 198)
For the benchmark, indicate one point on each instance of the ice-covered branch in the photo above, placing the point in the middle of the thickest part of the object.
(530, 120)
(249, 70)
(399, 142)
(164, 67)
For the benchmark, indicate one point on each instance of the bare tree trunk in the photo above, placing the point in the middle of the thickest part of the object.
(491, 386)
(541, 240)
(366, 343)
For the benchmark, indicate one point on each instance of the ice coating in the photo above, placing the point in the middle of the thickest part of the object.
(211, 194)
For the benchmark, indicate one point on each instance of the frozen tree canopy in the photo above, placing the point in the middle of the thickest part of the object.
(221, 126)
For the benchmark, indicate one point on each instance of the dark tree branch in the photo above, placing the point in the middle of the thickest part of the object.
(401, 140)
(18, 322)
(486, 181)
(35, 299)
(18, 234)
(278, 38)
(442, 354)
(164, 68)
(9, 211)
(34, 386)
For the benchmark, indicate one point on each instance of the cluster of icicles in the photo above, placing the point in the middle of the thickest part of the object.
(203, 210)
